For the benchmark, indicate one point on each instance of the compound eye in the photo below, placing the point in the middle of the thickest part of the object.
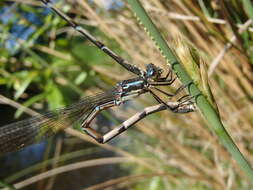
(150, 70)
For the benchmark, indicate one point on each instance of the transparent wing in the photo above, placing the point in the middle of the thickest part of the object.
(34, 129)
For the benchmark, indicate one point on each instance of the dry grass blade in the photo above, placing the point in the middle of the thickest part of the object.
(128, 180)
(70, 167)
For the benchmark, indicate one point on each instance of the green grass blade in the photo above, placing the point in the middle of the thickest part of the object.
(248, 8)
(208, 112)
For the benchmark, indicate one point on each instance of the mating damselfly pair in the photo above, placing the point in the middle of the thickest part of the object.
(23, 133)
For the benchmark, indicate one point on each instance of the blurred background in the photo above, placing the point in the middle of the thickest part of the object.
(45, 64)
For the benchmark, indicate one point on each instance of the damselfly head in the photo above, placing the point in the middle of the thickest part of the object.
(153, 71)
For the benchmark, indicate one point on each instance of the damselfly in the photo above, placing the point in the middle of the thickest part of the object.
(23, 133)
(20, 134)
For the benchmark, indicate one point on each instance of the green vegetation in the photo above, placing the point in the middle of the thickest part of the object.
(56, 66)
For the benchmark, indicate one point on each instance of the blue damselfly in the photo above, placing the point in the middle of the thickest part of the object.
(23, 133)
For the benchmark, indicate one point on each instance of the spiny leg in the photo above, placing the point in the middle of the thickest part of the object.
(184, 98)
(163, 83)
(168, 76)
(182, 87)
(158, 99)
(132, 68)
(168, 94)
(187, 98)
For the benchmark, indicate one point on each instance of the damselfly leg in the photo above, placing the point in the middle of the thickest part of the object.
(86, 124)
(176, 107)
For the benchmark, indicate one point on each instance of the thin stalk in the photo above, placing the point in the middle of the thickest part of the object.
(209, 113)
